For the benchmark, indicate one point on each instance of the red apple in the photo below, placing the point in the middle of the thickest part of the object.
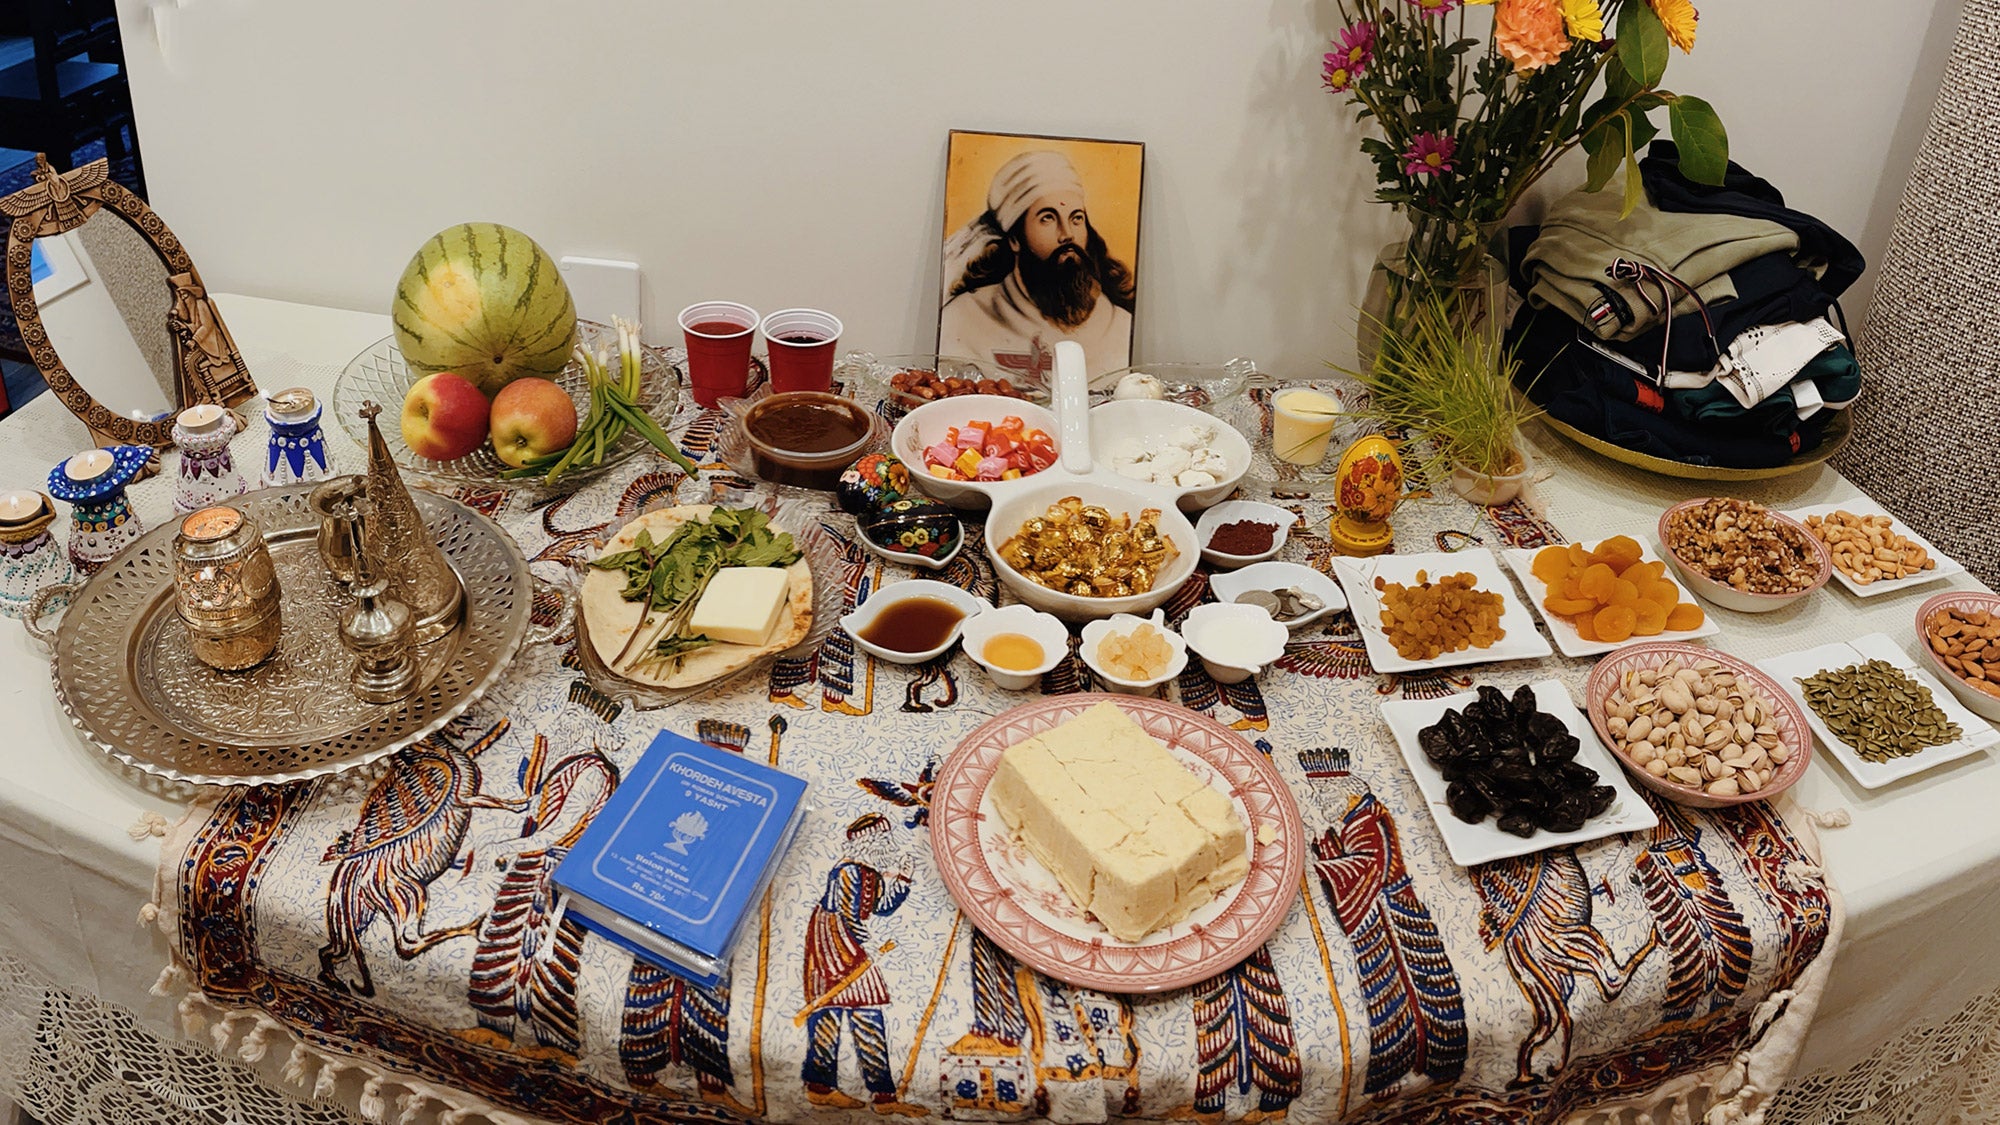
(444, 417)
(531, 417)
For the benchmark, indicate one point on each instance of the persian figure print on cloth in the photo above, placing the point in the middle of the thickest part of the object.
(1037, 1047)
(845, 986)
(1416, 1014)
(1537, 911)
(1708, 945)
(1243, 1041)
(407, 834)
(967, 1032)
(525, 962)
(914, 795)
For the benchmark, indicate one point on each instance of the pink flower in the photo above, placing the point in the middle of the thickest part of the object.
(1429, 154)
(1350, 57)
(1433, 7)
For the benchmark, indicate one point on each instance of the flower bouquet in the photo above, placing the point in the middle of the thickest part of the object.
(1468, 124)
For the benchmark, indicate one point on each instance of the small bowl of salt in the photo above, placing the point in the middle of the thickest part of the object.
(1234, 641)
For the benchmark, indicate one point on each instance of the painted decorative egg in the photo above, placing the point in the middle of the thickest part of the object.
(1369, 481)
(911, 525)
(871, 482)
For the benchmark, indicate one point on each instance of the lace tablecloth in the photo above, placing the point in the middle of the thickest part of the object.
(416, 944)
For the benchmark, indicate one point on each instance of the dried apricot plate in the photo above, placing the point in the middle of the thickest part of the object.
(1570, 608)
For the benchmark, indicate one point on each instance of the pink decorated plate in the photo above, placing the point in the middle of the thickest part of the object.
(1015, 901)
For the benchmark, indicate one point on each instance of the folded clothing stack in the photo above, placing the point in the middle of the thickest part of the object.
(1701, 328)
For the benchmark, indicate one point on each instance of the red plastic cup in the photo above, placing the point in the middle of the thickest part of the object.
(718, 335)
(801, 344)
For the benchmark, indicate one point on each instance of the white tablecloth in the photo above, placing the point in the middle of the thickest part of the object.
(1916, 865)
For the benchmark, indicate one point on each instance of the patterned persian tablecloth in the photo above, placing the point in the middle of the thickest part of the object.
(405, 928)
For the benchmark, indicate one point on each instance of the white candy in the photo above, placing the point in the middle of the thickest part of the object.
(1185, 457)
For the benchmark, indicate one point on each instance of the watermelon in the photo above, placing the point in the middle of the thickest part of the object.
(484, 301)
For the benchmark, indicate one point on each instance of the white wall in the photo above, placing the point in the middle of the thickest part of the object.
(785, 152)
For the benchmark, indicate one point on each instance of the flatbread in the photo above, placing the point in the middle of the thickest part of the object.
(610, 619)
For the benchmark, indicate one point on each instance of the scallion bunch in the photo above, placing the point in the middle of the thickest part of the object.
(614, 407)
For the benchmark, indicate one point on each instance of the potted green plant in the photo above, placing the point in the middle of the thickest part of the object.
(1455, 391)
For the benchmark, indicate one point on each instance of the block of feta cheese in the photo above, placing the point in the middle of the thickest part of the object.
(741, 605)
(1132, 835)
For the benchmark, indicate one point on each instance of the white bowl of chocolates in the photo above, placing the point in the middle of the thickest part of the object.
(1083, 549)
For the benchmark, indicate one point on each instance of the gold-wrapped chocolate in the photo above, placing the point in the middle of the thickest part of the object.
(1085, 549)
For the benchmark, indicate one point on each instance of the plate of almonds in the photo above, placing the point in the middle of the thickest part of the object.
(1699, 727)
(1882, 717)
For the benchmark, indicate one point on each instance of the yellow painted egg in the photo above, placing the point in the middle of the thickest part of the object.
(1370, 480)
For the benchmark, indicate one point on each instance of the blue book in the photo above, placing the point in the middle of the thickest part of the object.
(675, 863)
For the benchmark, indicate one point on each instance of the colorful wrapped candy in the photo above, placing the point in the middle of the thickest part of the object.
(989, 451)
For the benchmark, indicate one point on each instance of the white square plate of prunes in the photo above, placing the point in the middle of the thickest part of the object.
(1527, 764)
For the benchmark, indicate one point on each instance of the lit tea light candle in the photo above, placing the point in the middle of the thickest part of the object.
(295, 404)
(201, 418)
(89, 465)
(211, 523)
(18, 507)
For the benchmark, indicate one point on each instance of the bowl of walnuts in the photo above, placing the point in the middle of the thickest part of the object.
(1741, 555)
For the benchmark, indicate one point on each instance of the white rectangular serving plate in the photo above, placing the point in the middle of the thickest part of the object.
(1484, 842)
(1794, 666)
(1866, 506)
(1521, 559)
(1357, 576)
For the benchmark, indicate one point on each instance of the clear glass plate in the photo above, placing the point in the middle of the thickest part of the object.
(807, 520)
(379, 375)
(1204, 386)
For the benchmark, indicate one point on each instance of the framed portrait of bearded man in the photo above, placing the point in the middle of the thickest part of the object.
(1041, 244)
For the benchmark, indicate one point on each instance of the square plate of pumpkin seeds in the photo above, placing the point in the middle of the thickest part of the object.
(1877, 712)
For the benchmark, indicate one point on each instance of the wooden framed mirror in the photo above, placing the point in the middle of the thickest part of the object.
(111, 308)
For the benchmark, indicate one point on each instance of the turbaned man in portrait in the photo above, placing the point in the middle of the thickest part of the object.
(1031, 271)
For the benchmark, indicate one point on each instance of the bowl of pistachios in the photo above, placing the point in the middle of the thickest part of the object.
(1699, 727)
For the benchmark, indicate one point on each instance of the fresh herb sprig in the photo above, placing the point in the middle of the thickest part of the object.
(671, 576)
(614, 407)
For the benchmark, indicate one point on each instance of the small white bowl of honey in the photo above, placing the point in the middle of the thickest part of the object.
(1016, 644)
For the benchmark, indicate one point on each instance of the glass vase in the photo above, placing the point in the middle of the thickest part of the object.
(1442, 257)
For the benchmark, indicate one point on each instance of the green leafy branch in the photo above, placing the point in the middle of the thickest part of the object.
(671, 576)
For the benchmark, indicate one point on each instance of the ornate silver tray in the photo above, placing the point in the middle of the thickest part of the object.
(125, 673)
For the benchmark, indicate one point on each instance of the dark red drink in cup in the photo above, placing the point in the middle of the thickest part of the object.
(801, 344)
(718, 335)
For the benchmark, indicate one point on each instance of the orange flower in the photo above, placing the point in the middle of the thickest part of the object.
(1529, 32)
